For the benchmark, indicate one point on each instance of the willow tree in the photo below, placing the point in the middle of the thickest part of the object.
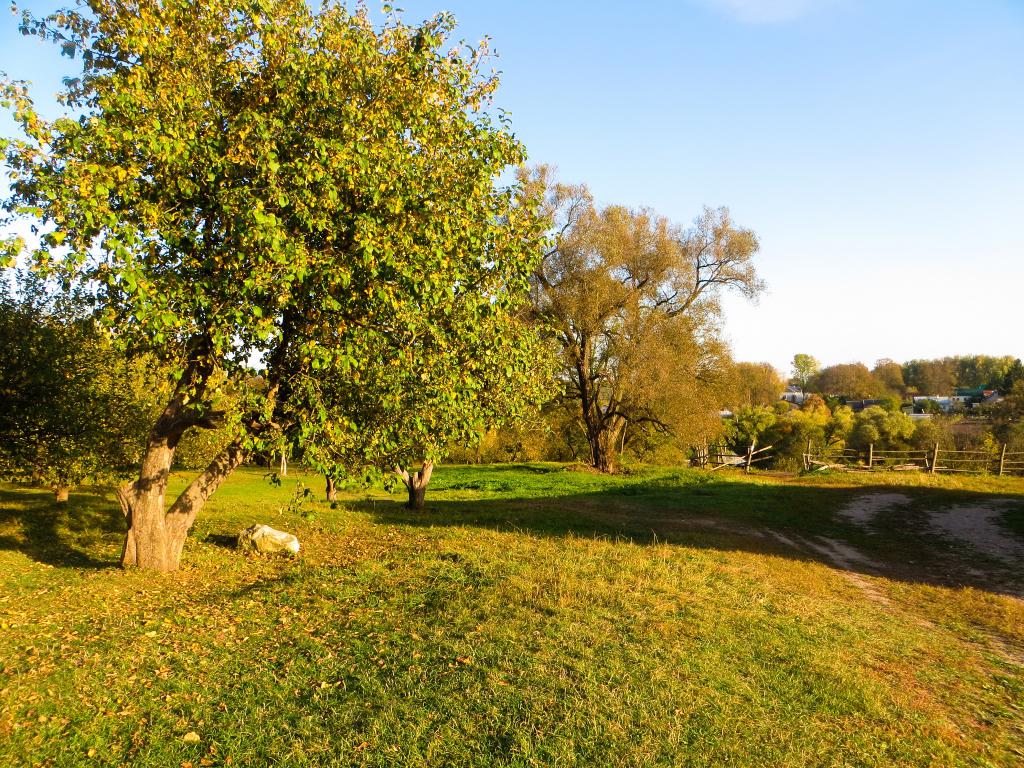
(634, 303)
(263, 181)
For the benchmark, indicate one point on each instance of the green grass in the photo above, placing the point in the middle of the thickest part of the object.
(531, 616)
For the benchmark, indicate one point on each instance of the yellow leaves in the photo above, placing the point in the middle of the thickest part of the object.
(211, 759)
(191, 737)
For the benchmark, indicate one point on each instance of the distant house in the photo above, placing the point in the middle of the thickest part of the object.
(972, 393)
(794, 395)
(992, 399)
(968, 398)
(945, 403)
(963, 399)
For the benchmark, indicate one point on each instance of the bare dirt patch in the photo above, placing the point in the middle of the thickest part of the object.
(864, 509)
(978, 525)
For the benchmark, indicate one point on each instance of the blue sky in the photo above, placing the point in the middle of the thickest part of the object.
(877, 148)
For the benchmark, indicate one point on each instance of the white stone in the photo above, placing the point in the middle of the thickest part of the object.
(266, 540)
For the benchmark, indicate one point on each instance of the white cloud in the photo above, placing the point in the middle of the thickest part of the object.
(766, 11)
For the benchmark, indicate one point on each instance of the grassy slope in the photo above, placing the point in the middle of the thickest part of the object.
(531, 617)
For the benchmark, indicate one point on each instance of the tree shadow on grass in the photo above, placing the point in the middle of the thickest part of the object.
(710, 512)
(62, 535)
(694, 509)
(222, 540)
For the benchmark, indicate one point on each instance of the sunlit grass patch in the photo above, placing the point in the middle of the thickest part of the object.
(531, 616)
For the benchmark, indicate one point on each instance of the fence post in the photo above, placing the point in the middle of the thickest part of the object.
(807, 455)
(871, 454)
(1002, 459)
(750, 456)
(935, 458)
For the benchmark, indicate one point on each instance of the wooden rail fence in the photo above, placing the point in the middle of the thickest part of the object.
(718, 456)
(935, 459)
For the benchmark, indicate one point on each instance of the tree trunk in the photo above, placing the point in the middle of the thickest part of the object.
(601, 436)
(283, 471)
(604, 441)
(603, 454)
(156, 535)
(416, 483)
(145, 544)
(60, 494)
(332, 492)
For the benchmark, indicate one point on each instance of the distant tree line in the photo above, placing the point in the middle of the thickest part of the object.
(824, 420)
(940, 376)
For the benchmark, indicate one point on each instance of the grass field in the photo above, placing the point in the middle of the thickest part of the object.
(532, 616)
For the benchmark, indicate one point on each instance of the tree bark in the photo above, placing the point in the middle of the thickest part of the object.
(601, 434)
(332, 492)
(603, 449)
(182, 513)
(416, 483)
(156, 534)
(145, 543)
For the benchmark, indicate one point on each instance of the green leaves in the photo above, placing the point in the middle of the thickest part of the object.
(269, 182)
(74, 408)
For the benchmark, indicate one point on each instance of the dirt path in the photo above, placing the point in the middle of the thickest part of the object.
(864, 509)
(977, 524)
(980, 526)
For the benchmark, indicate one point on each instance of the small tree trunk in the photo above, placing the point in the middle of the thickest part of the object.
(416, 483)
(417, 497)
(60, 494)
(332, 492)
(284, 464)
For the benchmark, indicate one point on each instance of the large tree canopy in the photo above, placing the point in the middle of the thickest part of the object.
(756, 384)
(634, 303)
(852, 380)
(250, 180)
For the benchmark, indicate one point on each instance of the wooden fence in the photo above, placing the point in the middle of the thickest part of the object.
(935, 459)
(717, 456)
